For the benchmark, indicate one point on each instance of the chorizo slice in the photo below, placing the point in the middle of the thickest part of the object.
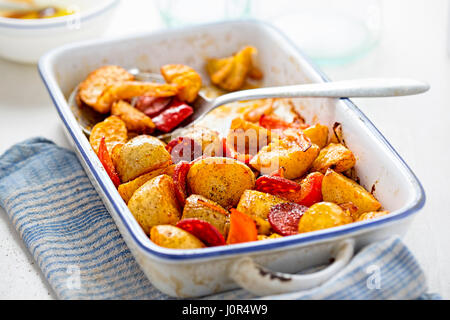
(285, 217)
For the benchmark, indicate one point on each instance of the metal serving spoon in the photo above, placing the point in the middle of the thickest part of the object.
(203, 105)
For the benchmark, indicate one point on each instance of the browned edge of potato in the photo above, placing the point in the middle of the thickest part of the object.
(154, 203)
(222, 180)
(140, 155)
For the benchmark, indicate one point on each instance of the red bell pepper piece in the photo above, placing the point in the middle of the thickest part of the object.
(272, 122)
(295, 135)
(230, 152)
(184, 149)
(242, 228)
(180, 180)
(107, 163)
(170, 118)
(311, 192)
(203, 230)
(306, 193)
(152, 106)
(225, 149)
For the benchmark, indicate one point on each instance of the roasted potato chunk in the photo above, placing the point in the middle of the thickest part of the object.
(239, 123)
(336, 157)
(140, 155)
(116, 150)
(272, 236)
(318, 134)
(351, 208)
(204, 209)
(113, 129)
(281, 154)
(171, 237)
(97, 81)
(221, 180)
(263, 226)
(126, 190)
(130, 89)
(155, 203)
(219, 69)
(257, 205)
(230, 73)
(371, 215)
(170, 170)
(340, 189)
(186, 78)
(208, 139)
(337, 134)
(135, 120)
(323, 215)
(247, 137)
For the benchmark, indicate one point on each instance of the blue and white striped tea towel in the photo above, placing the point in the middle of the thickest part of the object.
(65, 226)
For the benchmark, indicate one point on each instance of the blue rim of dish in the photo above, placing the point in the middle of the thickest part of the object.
(246, 248)
(48, 23)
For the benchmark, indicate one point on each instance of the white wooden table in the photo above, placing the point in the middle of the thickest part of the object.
(413, 44)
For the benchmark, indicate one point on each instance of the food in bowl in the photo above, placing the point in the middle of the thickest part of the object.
(271, 175)
(25, 39)
(41, 13)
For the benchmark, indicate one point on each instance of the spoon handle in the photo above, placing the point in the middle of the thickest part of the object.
(339, 89)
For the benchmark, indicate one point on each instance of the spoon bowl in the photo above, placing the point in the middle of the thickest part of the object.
(87, 117)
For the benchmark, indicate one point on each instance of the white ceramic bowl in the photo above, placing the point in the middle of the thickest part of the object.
(193, 273)
(26, 40)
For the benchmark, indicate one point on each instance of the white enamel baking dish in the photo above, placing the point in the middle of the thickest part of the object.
(194, 273)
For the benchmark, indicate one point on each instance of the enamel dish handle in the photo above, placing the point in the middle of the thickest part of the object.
(263, 282)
